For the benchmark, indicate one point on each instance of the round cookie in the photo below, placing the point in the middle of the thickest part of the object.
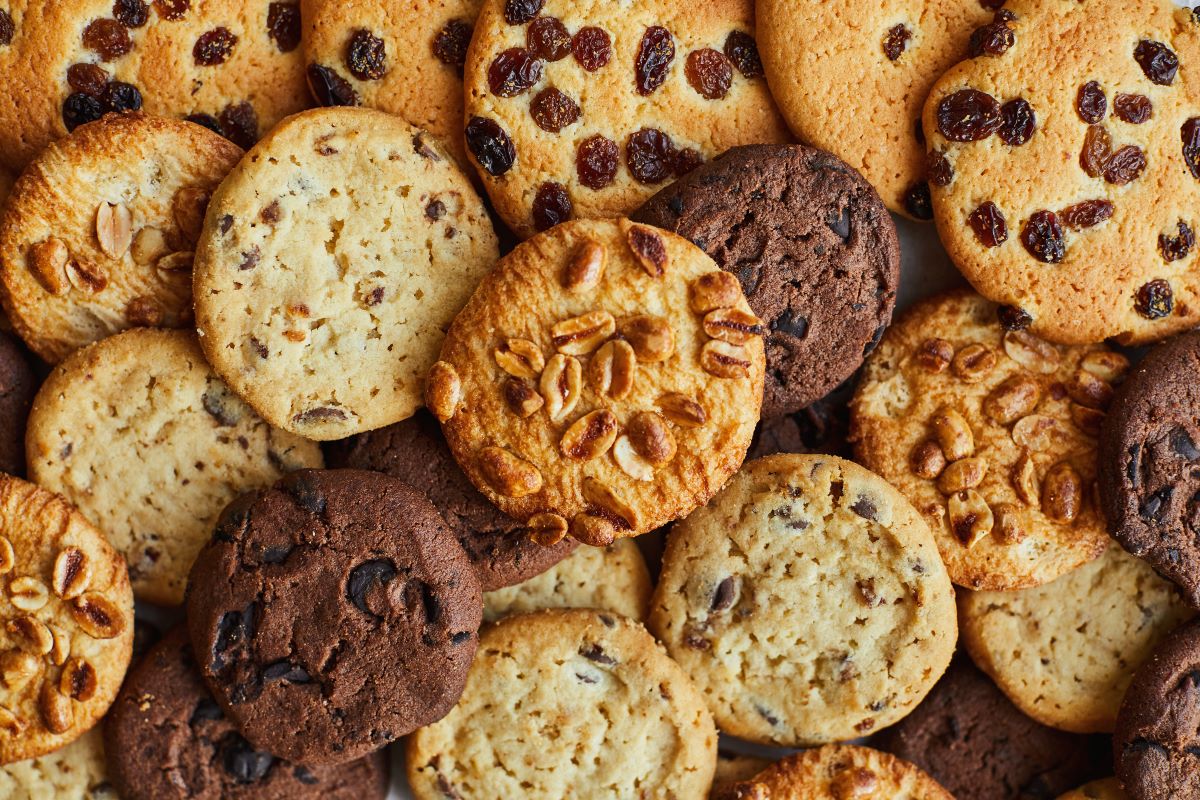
(99, 231)
(837, 772)
(991, 434)
(813, 247)
(384, 648)
(168, 739)
(1071, 193)
(415, 452)
(1106, 789)
(1148, 452)
(733, 768)
(623, 719)
(1156, 744)
(231, 66)
(582, 111)
(6, 184)
(187, 445)
(18, 385)
(75, 772)
(67, 613)
(322, 295)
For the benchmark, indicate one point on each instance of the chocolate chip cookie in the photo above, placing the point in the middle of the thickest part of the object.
(76, 771)
(813, 247)
(335, 613)
(18, 384)
(839, 771)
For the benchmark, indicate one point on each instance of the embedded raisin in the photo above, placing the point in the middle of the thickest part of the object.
(490, 145)
(552, 110)
(1013, 318)
(709, 72)
(1157, 61)
(214, 47)
(172, 9)
(513, 72)
(742, 50)
(1018, 122)
(1190, 134)
(329, 88)
(1125, 165)
(548, 38)
(1155, 300)
(551, 205)
(686, 160)
(206, 121)
(596, 161)
(87, 78)
(450, 45)
(993, 39)
(988, 223)
(518, 12)
(896, 41)
(283, 26)
(938, 170)
(918, 202)
(968, 115)
(1097, 150)
(240, 123)
(1043, 237)
(131, 13)
(8, 28)
(1132, 108)
(654, 57)
(1087, 214)
(1174, 248)
(107, 38)
(592, 48)
(79, 109)
(118, 96)
(650, 154)
(366, 56)
(1091, 103)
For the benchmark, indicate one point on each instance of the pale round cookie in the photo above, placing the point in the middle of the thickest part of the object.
(1065, 652)
(612, 578)
(992, 435)
(1065, 171)
(76, 772)
(585, 111)
(331, 262)
(1107, 789)
(99, 231)
(140, 433)
(67, 614)
(840, 772)
(604, 380)
(568, 704)
(232, 66)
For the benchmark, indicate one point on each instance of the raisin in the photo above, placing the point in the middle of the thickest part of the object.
(1132, 108)
(131, 13)
(1155, 300)
(490, 145)
(329, 88)
(654, 57)
(172, 9)
(968, 115)
(685, 161)
(552, 110)
(1189, 132)
(283, 26)
(107, 38)
(1157, 61)
(80, 108)
(118, 96)
(1091, 103)
(742, 50)
(1018, 122)
(592, 48)
(518, 12)
(918, 202)
(938, 170)
(896, 41)
(993, 39)
(450, 45)
(1087, 214)
(650, 154)
(1125, 165)
(214, 47)
(551, 205)
(709, 72)
(87, 78)
(513, 72)
(1043, 237)
(366, 56)
(240, 123)
(206, 121)
(1013, 318)
(1097, 150)
(596, 161)
(1174, 248)
(988, 223)
(8, 28)
(548, 38)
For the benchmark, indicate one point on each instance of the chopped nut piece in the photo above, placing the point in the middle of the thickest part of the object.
(176, 262)
(149, 245)
(27, 594)
(1106, 365)
(144, 312)
(10, 722)
(651, 438)
(1038, 432)
(1016, 397)
(630, 462)
(561, 385)
(78, 680)
(612, 370)
(508, 474)
(188, 207)
(581, 335)
(1088, 390)
(522, 399)
(725, 360)
(520, 358)
(590, 436)
(443, 391)
(62, 645)
(953, 433)
(974, 362)
(963, 474)
(48, 263)
(586, 267)
(935, 355)
(56, 709)
(682, 410)
(970, 517)
(714, 290)
(650, 337)
(33, 635)
(114, 229)
(86, 276)
(97, 616)
(1062, 493)
(733, 325)
(547, 529)
(17, 667)
(1025, 480)
(1031, 352)
(927, 460)
(648, 247)
(72, 572)
(1009, 527)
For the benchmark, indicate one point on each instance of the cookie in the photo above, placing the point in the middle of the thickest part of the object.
(807, 602)
(1081, 217)
(403, 58)
(1107, 789)
(415, 452)
(99, 231)
(1148, 450)
(584, 111)
(188, 446)
(68, 622)
(733, 768)
(570, 704)
(992, 435)
(76, 772)
(18, 384)
(1081, 638)
(839, 771)
(604, 380)
(167, 738)
(6, 184)
(352, 283)
(335, 612)
(813, 247)
(233, 67)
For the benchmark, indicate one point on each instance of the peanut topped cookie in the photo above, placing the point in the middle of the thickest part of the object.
(991, 433)
(839, 772)
(1106, 789)
(1065, 168)
(585, 110)
(604, 379)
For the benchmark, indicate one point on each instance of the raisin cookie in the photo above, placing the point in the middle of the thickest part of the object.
(18, 384)
(99, 231)
(568, 704)
(839, 772)
(75, 772)
(604, 380)
(335, 612)
(806, 601)
(231, 66)
(189, 446)
(991, 433)
(813, 247)
(1080, 216)
(332, 260)
(67, 611)
(560, 96)
(1106, 789)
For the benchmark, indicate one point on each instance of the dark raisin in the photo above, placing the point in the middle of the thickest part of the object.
(1155, 300)
(1190, 134)
(1013, 318)
(592, 48)
(548, 38)
(329, 88)
(490, 145)
(1157, 61)
(1174, 248)
(650, 154)
(214, 47)
(596, 161)
(896, 41)
(172, 9)
(107, 38)
(87, 78)
(968, 115)
(1018, 122)
(131, 13)
(551, 205)
(552, 110)
(366, 56)
(207, 121)
(434, 211)
(918, 202)
(1091, 103)
(988, 223)
(283, 25)
(993, 39)
(118, 96)
(79, 109)
(240, 123)
(518, 12)
(242, 761)
(1087, 214)
(724, 595)
(709, 72)
(1043, 237)
(366, 577)
(938, 170)
(1097, 150)
(1125, 165)
(742, 50)
(450, 45)
(8, 28)
(1132, 108)
(655, 54)
(686, 160)
(513, 72)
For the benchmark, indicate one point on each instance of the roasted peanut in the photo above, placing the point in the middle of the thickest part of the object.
(1031, 352)
(520, 358)
(581, 335)
(650, 337)
(1015, 397)
(508, 474)
(561, 385)
(682, 410)
(966, 473)
(714, 290)
(725, 360)
(733, 325)
(969, 516)
(927, 460)
(443, 391)
(935, 355)
(612, 370)
(1062, 493)
(952, 432)
(586, 267)
(974, 362)
(590, 436)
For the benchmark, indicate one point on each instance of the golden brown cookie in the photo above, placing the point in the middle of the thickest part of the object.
(1107, 789)
(840, 772)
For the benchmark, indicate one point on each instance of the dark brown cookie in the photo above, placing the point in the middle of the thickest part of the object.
(166, 737)
(821, 427)
(1156, 744)
(813, 247)
(333, 613)
(415, 452)
(18, 385)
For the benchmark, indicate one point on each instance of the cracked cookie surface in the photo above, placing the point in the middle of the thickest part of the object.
(836, 772)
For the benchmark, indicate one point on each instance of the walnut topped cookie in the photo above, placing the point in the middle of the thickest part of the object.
(991, 432)
(604, 380)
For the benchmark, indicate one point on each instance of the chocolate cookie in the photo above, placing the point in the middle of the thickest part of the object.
(167, 738)
(335, 612)
(813, 247)
(415, 452)
(822, 427)
(18, 385)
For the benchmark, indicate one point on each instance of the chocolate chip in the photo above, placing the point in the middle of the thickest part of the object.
(304, 776)
(725, 594)
(840, 223)
(1156, 505)
(435, 210)
(305, 492)
(865, 508)
(365, 577)
(791, 323)
(318, 414)
(1182, 443)
(594, 652)
(286, 671)
(235, 629)
(207, 710)
(240, 760)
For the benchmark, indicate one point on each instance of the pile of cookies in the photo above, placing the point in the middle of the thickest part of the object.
(512, 386)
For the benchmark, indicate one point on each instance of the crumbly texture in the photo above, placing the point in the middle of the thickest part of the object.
(838, 771)
(612, 578)
(623, 719)
(67, 609)
(1101, 286)
(813, 247)
(77, 772)
(18, 384)
(167, 738)
(610, 104)
(1011, 499)
(664, 445)
(821, 427)
(189, 447)
(415, 452)
(99, 232)
(248, 86)
(336, 613)
(1106, 789)
(837, 87)
(321, 296)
